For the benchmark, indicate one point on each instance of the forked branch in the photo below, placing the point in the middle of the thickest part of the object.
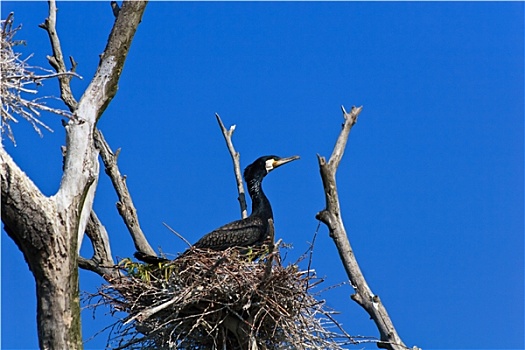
(331, 217)
(102, 262)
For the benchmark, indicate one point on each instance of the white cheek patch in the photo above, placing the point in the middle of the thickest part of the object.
(269, 165)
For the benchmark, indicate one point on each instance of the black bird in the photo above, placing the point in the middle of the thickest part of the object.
(254, 229)
(251, 231)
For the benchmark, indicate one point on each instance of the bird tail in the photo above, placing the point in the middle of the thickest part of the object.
(149, 259)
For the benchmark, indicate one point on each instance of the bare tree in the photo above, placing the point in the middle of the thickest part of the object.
(48, 230)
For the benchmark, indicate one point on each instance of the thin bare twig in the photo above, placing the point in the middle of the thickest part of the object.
(311, 250)
(236, 165)
(177, 234)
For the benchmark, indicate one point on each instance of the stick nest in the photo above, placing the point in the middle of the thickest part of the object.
(219, 300)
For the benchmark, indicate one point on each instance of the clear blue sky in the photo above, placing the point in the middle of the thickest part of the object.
(431, 184)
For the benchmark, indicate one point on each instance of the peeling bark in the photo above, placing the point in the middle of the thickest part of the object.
(39, 230)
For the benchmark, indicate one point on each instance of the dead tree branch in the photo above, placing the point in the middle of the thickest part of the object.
(331, 217)
(125, 205)
(236, 158)
(57, 60)
(115, 8)
(102, 262)
(99, 93)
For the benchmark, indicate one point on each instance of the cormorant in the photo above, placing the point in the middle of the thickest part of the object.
(250, 231)
(253, 229)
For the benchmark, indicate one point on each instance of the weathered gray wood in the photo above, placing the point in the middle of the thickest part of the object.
(331, 217)
(125, 205)
(236, 159)
(49, 230)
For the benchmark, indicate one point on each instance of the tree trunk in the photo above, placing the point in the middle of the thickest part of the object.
(49, 230)
(58, 311)
(48, 242)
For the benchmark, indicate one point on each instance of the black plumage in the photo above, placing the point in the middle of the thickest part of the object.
(252, 230)
(149, 259)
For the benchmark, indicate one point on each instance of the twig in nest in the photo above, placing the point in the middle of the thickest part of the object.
(177, 234)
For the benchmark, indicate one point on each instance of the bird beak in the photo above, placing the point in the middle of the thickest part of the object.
(277, 163)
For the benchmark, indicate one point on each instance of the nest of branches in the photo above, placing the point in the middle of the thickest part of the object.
(219, 300)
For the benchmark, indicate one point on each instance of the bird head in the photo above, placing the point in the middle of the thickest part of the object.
(263, 165)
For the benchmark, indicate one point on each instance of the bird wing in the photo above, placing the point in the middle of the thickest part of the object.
(240, 233)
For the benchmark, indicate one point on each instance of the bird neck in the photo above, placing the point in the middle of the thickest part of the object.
(260, 205)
